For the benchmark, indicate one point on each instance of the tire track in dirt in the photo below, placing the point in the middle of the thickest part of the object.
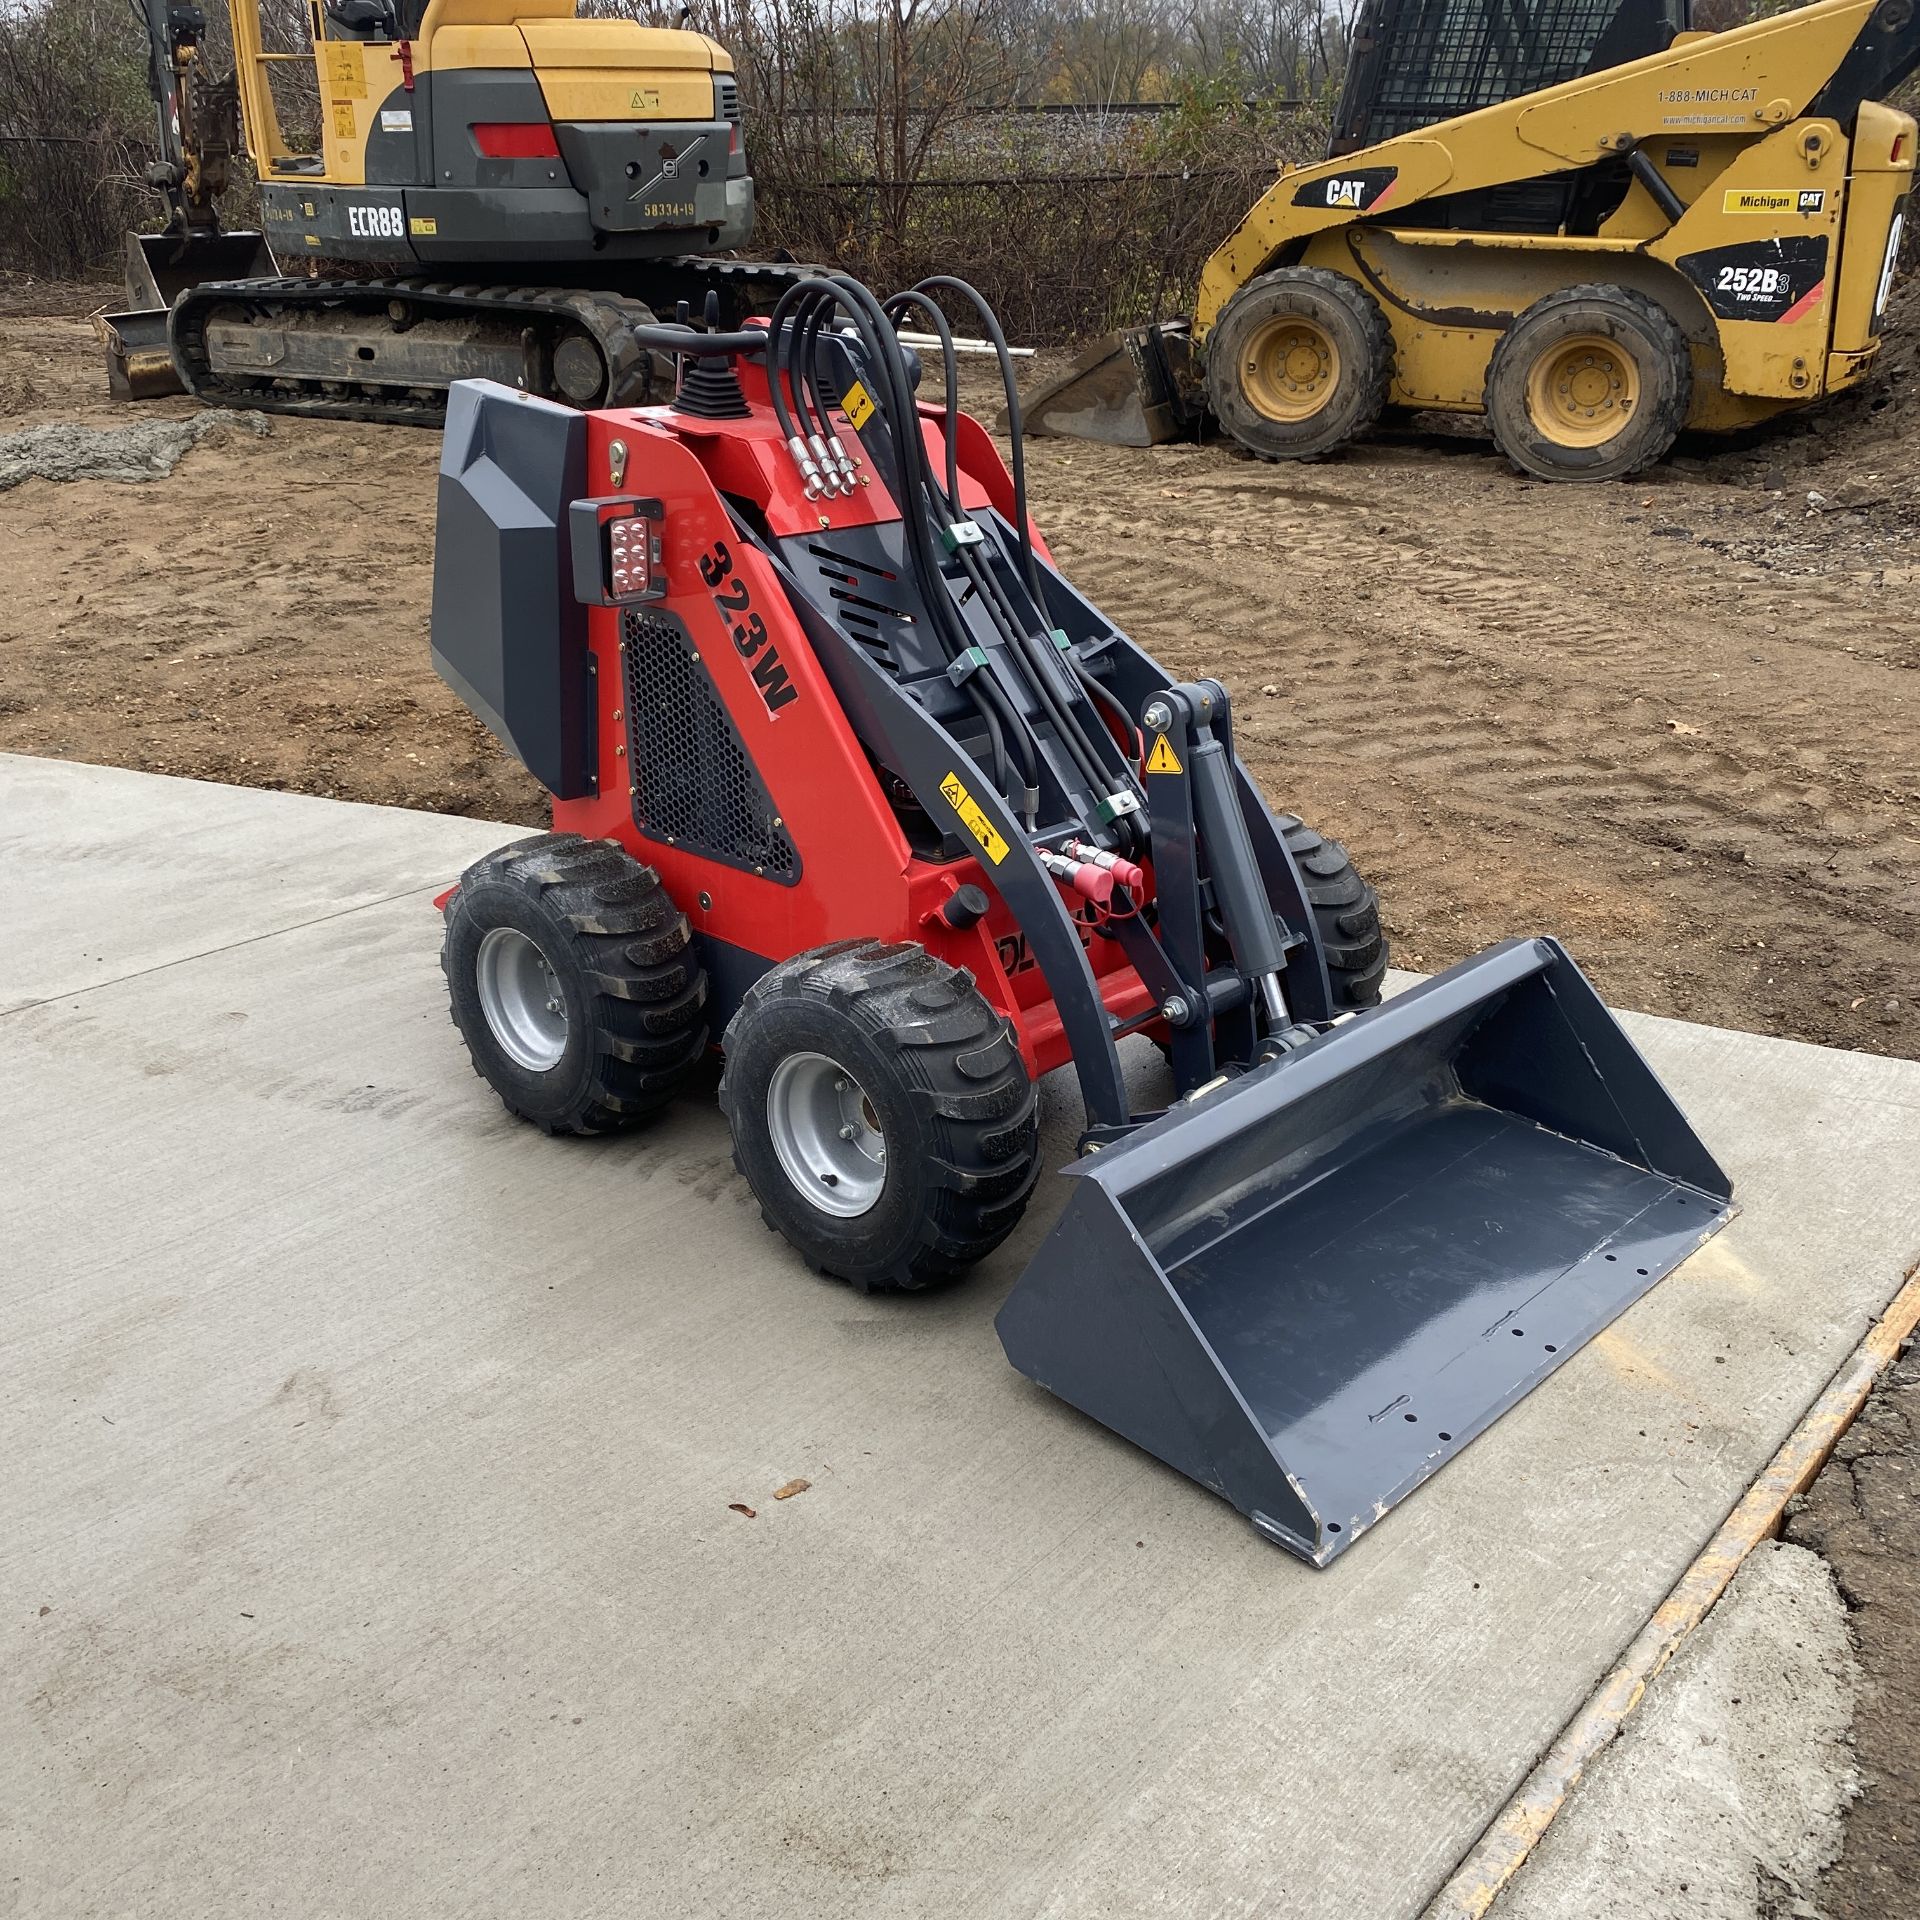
(1445, 688)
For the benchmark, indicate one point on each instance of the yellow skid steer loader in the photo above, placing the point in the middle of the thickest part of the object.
(1522, 219)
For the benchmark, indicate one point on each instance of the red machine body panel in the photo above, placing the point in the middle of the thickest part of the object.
(861, 877)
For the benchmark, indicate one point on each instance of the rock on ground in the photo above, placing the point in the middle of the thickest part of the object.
(145, 450)
(1724, 1797)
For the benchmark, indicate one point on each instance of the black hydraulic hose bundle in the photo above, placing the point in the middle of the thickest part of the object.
(930, 512)
(793, 331)
(1036, 655)
(1023, 525)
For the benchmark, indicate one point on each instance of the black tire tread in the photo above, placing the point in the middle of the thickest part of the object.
(961, 1066)
(1346, 914)
(1655, 427)
(1372, 383)
(634, 947)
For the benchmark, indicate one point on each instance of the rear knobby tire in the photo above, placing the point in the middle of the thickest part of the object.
(881, 1113)
(1591, 383)
(1346, 915)
(1299, 363)
(573, 982)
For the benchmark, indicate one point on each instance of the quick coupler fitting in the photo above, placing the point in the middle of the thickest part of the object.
(829, 467)
(1088, 881)
(1128, 875)
(805, 465)
(841, 458)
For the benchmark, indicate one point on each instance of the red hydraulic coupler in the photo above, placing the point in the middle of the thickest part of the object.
(1125, 873)
(1089, 881)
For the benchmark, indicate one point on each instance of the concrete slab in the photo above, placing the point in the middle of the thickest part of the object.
(369, 1538)
(111, 872)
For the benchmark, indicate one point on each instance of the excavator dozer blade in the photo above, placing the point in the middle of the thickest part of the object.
(1311, 1287)
(160, 267)
(139, 361)
(1133, 389)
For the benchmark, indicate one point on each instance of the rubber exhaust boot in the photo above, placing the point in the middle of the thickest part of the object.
(1310, 1286)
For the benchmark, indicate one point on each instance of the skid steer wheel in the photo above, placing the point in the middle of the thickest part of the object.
(881, 1113)
(1588, 384)
(573, 983)
(1299, 363)
(1346, 915)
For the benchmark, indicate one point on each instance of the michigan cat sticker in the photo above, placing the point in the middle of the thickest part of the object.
(1774, 200)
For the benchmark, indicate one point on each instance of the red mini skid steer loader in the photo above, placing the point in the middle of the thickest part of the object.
(851, 783)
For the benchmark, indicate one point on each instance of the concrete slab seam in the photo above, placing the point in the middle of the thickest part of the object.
(1503, 1848)
(431, 890)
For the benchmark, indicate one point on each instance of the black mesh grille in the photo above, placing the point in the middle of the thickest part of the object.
(694, 783)
(1432, 59)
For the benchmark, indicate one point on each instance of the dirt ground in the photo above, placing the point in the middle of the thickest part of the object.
(1673, 721)
(1863, 1514)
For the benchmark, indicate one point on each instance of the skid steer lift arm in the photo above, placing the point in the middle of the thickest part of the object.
(794, 646)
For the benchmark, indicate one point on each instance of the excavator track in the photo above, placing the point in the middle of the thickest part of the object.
(386, 349)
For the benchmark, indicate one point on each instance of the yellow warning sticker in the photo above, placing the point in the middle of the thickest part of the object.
(1163, 759)
(962, 802)
(427, 224)
(345, 73)
(644, 100)
(343, 125)
(857, 406)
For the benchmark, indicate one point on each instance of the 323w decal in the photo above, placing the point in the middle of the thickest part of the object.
(745, 628)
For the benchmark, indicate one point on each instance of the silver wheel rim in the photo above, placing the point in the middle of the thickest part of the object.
(825, 1136)
(525, 1010)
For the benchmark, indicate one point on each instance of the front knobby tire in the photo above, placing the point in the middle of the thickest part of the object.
(1346, 915)
(1299, 364)
(881, 1113)
(572, 978)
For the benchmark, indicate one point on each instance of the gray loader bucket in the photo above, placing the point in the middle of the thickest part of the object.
(1133, 389)
(1312, 1287)
(160, 267)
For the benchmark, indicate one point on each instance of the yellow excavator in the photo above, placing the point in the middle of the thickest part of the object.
(498, 189)
(1571, 216)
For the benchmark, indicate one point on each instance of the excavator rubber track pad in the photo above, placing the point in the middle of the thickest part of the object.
(1311, 1287)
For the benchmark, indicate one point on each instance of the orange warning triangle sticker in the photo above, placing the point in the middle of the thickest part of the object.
(1163, 759)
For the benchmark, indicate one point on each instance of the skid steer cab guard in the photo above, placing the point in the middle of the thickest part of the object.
(849, 781)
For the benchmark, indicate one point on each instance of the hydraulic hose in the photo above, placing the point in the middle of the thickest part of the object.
(1027, 649)
(902, 422)
(1118, 717)
(950, 398)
